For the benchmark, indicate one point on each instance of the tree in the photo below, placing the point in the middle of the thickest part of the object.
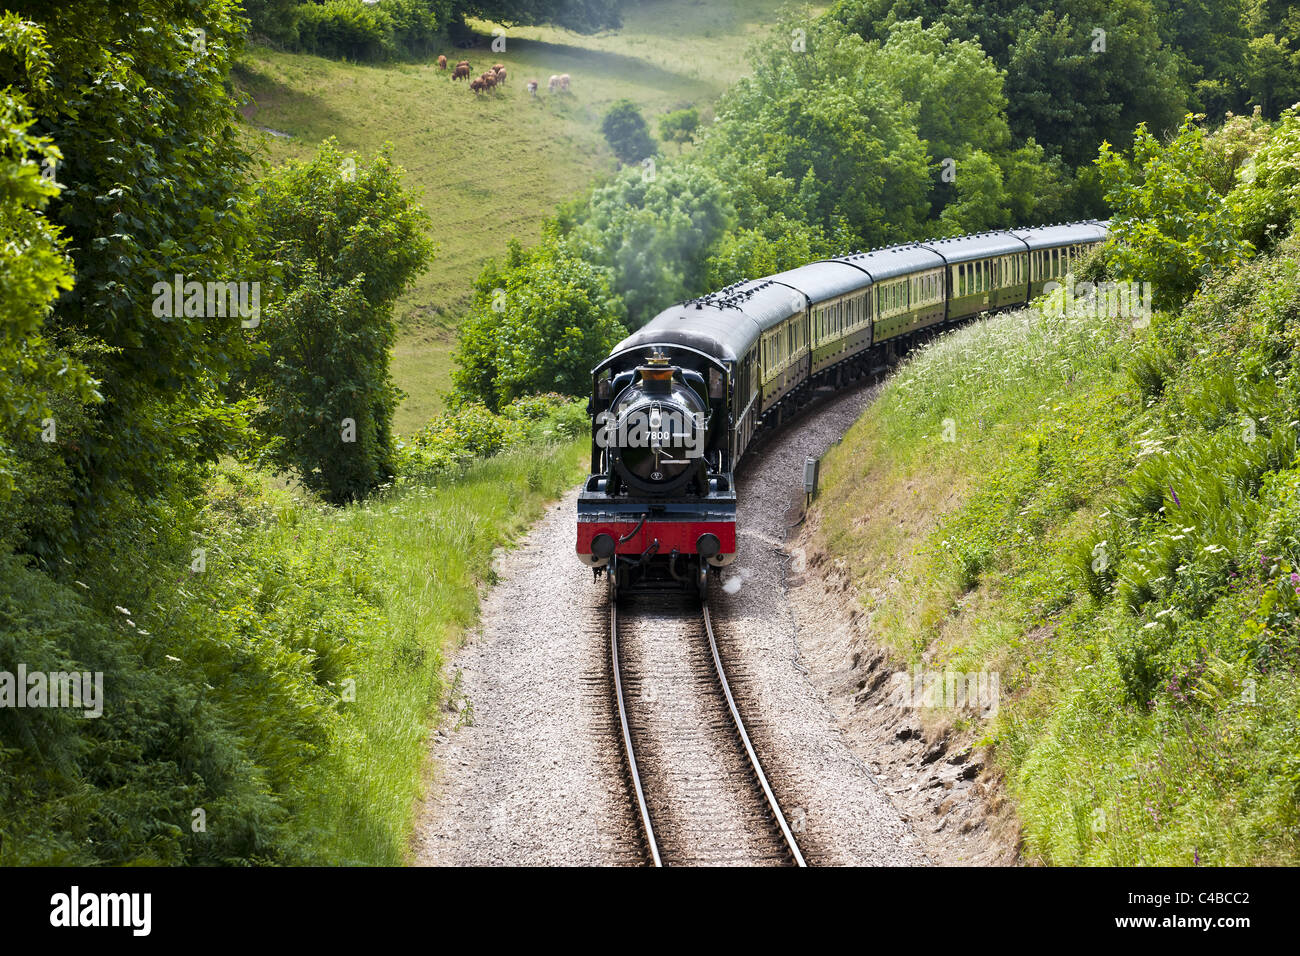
(1169, 226)
(654, 234)
(139, 105)
(346, 239)
(679, 126)
(1070, 93)
(824, 134)
(540, 322)
(626, 132)
(780, 243)
(34, 269)
(1077, 71)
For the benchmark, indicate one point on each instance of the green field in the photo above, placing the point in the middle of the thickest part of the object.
(493, 167)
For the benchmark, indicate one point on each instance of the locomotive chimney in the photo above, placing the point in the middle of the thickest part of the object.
(656, 374)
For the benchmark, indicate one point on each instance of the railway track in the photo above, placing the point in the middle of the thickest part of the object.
(699, 790)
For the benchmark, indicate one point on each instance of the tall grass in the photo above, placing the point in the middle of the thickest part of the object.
(431, 547)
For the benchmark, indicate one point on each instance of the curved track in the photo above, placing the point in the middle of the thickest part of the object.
(697, 783)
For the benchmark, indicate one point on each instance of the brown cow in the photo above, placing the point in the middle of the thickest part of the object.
(501, 76)
(442, 62)
(462, 72)
(498, 67)
(489, 79)
(477, 85)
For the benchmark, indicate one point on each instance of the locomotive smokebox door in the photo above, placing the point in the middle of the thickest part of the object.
(811, 470)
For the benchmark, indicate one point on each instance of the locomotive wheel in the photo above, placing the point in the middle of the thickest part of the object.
(702, 580)
(613, 573)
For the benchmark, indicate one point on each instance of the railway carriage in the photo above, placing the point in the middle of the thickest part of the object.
(678, 403)
(1053, 251)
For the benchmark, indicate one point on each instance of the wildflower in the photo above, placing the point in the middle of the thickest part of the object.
(1175, 496)
(122, 610)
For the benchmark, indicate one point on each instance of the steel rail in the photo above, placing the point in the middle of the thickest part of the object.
(790, 842)
(651, 844)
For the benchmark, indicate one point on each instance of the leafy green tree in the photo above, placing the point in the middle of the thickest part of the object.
(679, 126)
(1271, 72)
(346, 239)
(867, 136)
(1169, 226)
(626, 132)
(1066, 91)
(540, 322)
(780, 243)
(138, 102)
(1210, 38)
(34, 269)
(1061, 88)
(654, 234)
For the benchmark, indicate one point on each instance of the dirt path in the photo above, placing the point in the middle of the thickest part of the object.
(536, 777)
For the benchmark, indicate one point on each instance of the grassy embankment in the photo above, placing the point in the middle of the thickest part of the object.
(494, 167)
(423, 550)
(1112, 526)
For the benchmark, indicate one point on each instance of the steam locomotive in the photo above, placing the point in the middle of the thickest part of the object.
(676, 404)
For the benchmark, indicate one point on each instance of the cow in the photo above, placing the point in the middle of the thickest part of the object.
(442, 62)
(498, 67)
(462, 72)
(489, 79)
(553, 83)
(564, 82)
(532, 87)
(477, 86)
(501, 76)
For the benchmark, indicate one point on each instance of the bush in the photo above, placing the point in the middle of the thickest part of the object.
(346, 29)
(1268, 198)
(222, 687)
(455, 439)
(1169, 226)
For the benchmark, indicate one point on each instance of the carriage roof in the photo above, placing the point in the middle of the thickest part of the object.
(1065, 234)
(894, 261)
(823, 280)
